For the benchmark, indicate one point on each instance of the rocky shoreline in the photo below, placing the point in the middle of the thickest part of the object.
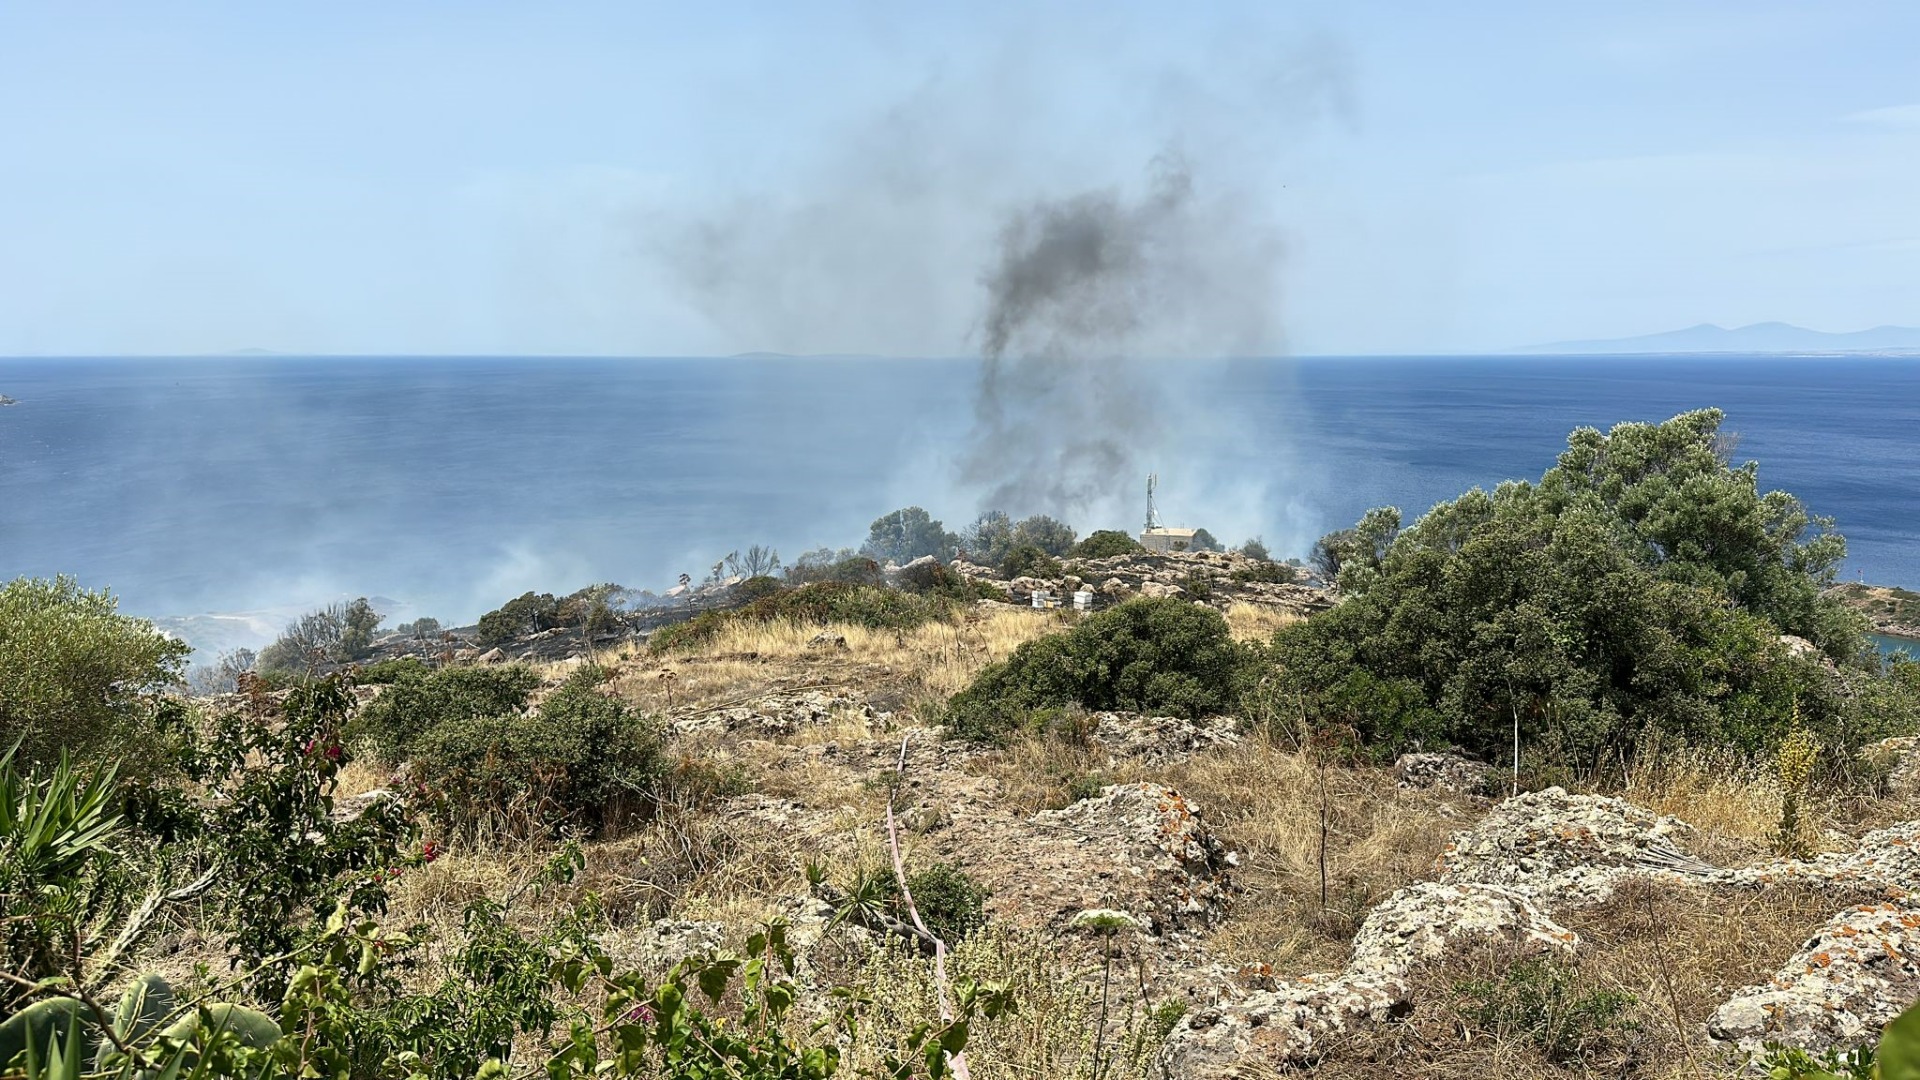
(1891, 610)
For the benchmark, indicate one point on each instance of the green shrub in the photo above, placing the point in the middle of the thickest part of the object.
(1267, 571)
(77, 676)
(950, 902)
(1163, 655)
(872, 606)
(528, 613)
(1639, 589)
(756, 588)
(383, 672)
(582, 760)
(844, 566)
(1541, 1002)
(1029, 560)
(937, 579)
(1256, 548)
(1105, 544)
(418, 700)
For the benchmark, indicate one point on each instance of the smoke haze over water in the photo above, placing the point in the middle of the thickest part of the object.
(1064, 255)
(1087, 279)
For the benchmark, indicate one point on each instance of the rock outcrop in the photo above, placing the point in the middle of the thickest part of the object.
(1855, 975)
(1219, 578)
(1549, 850)
(1141, 849)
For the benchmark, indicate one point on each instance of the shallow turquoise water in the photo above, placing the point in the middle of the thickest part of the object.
(1890, 645)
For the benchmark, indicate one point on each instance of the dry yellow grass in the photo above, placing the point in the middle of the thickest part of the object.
(748, 659)
(1257, 622)
(1734, 803)
(1264, 801)
(1677, 952)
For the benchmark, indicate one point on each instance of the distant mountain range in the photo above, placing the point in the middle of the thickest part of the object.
(1768, 337)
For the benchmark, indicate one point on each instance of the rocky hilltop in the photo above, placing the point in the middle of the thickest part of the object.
(1273, 909)
(1891, 610)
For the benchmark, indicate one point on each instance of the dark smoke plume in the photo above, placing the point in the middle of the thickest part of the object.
(1084, 290)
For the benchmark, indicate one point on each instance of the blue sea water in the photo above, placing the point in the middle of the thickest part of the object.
(222, 484)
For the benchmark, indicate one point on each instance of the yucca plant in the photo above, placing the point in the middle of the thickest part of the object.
(55, 848)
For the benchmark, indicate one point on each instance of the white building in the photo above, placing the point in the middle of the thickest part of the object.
(1164, 540)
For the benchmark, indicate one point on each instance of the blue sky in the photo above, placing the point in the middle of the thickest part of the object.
(557, 178)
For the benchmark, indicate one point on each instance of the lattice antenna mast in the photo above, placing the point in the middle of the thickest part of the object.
(1153, 515)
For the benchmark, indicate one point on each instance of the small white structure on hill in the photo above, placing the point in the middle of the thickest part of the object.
(1157, 537)
(1164, 540)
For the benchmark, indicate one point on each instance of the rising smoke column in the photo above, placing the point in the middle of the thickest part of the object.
(1081, 289)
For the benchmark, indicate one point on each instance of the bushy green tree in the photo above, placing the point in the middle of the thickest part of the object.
(1640, 587)
(1204, 541)
(906, 535)
(359, 623)
(1349, 558)
(1028, 560)
(76, 675)
(1105, 544)
(1048, 534)
(528, 613)
(989, 538)
(1255, 548)
(418, 699)
(1163, 655)
(583, 759)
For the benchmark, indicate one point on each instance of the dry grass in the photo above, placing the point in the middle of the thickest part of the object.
(1055, 1032)
(1733, 802)
(1677, 952)
(1264, 801)
(749, 659)
(1257, 622)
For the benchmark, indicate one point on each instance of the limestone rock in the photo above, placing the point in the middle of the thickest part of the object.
(780, 714)
(1857, 973)
(1447, 772)
(1162, 740)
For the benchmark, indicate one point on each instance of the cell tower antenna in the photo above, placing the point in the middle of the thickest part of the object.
(1153, 515)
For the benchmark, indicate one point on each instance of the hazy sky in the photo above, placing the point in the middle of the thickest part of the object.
(714, 178)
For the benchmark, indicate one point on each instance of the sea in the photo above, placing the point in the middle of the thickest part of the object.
(254, 486)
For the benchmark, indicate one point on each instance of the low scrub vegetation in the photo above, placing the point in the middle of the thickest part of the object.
(1105, 544)
(418, 700)
(875, 607)
(582, 761)
(1164, 656)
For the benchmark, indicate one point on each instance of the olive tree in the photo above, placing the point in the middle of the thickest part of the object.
(76, 675)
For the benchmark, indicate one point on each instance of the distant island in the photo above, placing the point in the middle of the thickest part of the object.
(1768, 337)
(5, 400)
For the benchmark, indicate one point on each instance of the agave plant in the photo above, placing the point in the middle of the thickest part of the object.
(55, 840)
(150, 1034)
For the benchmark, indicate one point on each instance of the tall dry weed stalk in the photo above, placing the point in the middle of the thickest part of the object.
(1798, 753)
